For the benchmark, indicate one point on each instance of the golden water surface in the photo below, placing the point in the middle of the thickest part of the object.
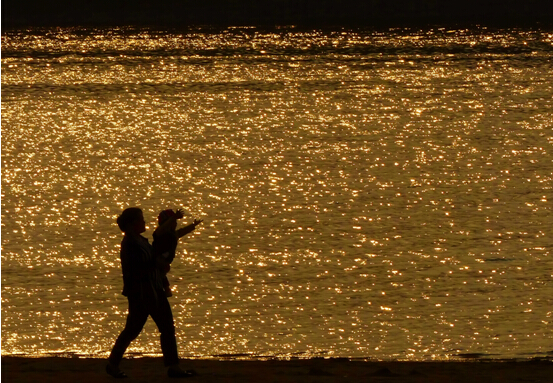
(365, 194)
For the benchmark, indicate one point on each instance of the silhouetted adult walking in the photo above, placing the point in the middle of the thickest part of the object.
(142, 285)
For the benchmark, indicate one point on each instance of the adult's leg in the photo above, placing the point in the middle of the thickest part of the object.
(163, 317)
(136, 318)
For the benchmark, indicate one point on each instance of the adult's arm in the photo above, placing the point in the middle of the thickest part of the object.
(137, 263)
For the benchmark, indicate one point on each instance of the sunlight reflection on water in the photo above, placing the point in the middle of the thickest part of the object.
(365, 194)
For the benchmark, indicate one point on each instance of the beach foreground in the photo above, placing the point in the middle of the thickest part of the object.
(62, 369)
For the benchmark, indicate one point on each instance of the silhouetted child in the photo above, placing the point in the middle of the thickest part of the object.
(166, 237)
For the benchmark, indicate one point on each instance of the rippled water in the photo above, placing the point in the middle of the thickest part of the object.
(365, 194)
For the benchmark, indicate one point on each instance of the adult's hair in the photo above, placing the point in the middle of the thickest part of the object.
(127, 218)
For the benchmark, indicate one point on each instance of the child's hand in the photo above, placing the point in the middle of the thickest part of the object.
(197, 222)
(179, 213)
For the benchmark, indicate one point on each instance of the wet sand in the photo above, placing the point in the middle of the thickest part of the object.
(63, 369)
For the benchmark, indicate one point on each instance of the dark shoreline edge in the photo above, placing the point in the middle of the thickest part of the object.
(301, 13)
(316, 370)
(453, 358)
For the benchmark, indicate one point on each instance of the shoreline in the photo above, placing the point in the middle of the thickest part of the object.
(149, 369)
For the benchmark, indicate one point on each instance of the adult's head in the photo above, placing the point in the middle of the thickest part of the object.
(132, 220)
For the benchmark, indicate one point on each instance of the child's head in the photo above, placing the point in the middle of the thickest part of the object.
(131, 219)
(164, 216)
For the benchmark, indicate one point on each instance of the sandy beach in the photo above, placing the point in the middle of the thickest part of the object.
(63, 369)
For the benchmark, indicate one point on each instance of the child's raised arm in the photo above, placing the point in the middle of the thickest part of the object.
(189, 228)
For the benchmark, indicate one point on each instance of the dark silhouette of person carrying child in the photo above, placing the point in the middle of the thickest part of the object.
(166, 238)
(142, 285)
